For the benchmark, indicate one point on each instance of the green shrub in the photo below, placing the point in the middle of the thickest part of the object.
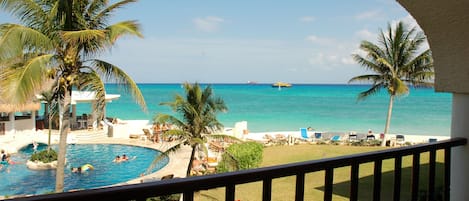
(45, 156)
(241, 156)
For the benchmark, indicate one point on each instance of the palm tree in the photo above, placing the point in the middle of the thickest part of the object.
(397, 61)
(50, 111)
(195, 121)
(58, 40)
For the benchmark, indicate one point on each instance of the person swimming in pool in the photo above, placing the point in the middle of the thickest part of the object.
(117, 159)
(76, 169)
(82, 168)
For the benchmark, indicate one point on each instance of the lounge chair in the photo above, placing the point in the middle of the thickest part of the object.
(146, 135)
(317, 136)
(335, 138)
(216, 146)
(370, 137)
(304, 133)
(352, 138)
(400, 140)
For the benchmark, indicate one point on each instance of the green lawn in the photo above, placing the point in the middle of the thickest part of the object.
(284, 188)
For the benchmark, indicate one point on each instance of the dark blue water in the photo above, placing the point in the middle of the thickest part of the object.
(17, 179)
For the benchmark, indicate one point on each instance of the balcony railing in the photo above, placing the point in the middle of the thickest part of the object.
(187, 186)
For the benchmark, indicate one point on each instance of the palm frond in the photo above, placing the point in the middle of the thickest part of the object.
(113, 73)
(370, 78)
(92, 41)
(15, 39)
(29, 12)
(400, 88)
(163, 155)
(105, 12)
(373, 90)
(91, 81)
(123, 28)
(22, 82)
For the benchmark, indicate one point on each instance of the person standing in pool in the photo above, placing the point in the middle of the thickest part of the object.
(3, 155)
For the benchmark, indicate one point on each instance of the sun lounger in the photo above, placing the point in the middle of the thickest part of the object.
(370, 137)
(352, 138)
(317, 136)
(335, 138)
(216, 146)
(304, 133)
(400, 140)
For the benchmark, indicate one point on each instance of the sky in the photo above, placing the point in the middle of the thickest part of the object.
(210, 41)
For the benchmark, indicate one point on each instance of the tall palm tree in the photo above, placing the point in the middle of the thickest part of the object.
(396, 62)
(195, 121)
(58, 40)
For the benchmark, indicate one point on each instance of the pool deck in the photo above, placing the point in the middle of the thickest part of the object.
(177, 165)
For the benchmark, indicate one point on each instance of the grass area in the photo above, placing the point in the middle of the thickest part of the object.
(284, 188)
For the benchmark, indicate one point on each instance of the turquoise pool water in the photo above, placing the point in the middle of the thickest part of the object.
(17, 179)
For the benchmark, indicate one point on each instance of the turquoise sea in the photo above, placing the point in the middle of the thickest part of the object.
(329, 108)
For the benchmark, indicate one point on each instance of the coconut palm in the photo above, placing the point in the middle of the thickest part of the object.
(195, 121)
(396, 62)
(58, 40)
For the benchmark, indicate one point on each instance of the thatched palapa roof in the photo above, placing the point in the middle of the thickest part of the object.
(7, 107)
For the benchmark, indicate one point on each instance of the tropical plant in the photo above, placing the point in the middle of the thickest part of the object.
(57, 43)
(241, 156)
(45, 156)
(397, 61)
(195, 122)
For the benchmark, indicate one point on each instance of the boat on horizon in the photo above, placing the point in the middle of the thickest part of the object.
(281, 84)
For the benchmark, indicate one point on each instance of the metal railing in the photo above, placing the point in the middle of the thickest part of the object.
(187, 186)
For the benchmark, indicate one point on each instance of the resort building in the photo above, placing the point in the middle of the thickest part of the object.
(14, 117)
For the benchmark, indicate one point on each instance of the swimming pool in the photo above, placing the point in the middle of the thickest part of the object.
(17, 179)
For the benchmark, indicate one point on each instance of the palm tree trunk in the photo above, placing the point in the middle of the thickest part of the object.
(49, 121)
(64, 118)
(50, 132)
(388, 120)
(189, 167)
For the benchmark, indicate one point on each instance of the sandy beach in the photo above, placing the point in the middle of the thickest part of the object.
(412, 139)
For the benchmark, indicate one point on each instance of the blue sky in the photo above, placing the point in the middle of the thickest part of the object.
(211, 41)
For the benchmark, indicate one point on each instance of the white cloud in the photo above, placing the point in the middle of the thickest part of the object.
(208, 24)
(368, 15)
(347, 60)
(365, 34)
(307, 19)
(331, 53)
(320, 40)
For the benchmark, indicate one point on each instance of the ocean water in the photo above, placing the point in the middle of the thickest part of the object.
(328, 108)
